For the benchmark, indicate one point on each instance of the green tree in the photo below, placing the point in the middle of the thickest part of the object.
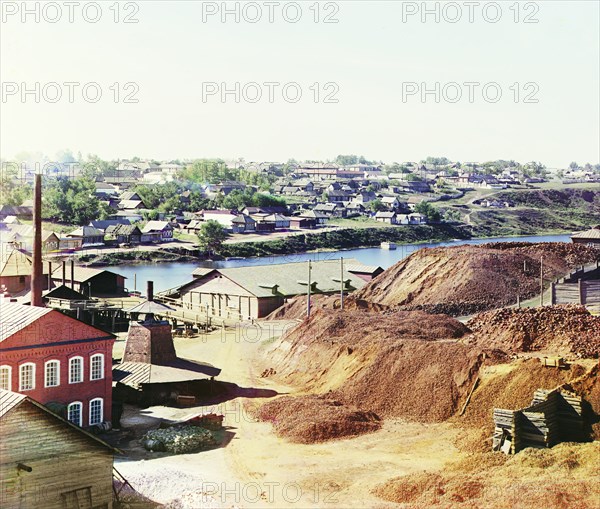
(428, 210)
(211, 236)
(71, 201)
(377, 205)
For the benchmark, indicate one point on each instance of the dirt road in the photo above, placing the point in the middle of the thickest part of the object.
(255, 469)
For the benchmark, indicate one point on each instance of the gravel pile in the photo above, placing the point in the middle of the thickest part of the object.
(312, 419)
(464, 280)
(178, 439)
(560, 330)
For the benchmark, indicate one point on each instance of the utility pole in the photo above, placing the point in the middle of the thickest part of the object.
(342, 283)
(308, 290)
(541, 281)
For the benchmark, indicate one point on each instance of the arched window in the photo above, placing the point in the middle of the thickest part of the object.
(75, 370)
(52, 373)
(5, 377)
(97, 366)
(74, 412)
(27, 376)
(96, 411)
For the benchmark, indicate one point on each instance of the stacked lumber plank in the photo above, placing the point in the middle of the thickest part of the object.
(553, 416)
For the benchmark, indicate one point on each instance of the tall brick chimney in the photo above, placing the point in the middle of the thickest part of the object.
(37, 277)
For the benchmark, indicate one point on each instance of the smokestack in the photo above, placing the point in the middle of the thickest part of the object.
(150, 291)
(64, 267)
(37, 276)
(49, 275)
(72, 274)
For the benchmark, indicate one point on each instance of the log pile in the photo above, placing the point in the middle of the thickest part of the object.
(553, 417)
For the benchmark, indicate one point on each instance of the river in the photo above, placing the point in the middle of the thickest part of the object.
(170, 275)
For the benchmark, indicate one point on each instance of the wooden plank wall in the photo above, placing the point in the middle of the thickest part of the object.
(62, 460)
(586, 292)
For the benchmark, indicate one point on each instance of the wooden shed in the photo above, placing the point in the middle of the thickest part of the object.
(45, 461)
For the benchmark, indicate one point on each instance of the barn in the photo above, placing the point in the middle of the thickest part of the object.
(100, 282)
(255, 291)
(45, 461)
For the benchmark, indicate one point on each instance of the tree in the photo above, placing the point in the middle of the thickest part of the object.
(71, 201)
(211, 236)
(428, 210)
(377, 205)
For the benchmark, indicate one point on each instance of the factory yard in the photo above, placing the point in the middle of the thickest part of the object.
(423, 462)
(258, 469)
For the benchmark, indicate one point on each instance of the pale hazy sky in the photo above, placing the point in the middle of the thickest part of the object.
(370, 54)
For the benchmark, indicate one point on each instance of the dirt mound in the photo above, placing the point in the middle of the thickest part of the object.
(463, 280)
(555, 329)
(296, 308)
(311, 419)
(512, 387)
(401, 364)
(557, 478)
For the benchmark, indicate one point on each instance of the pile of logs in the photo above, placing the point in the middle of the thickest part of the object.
(553, 417)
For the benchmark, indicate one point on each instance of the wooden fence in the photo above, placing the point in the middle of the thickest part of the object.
(553, 417)
(582, 292)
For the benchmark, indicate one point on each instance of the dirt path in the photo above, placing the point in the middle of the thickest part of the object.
(256, 469)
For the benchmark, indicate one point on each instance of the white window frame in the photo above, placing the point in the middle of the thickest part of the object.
(81, 377)
(80, 412)
(21, 366)
(101, 357)
(101, 411)
(57, 373)
(9, 368)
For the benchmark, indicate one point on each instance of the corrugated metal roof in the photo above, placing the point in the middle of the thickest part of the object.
(9, 400)
(15, 317)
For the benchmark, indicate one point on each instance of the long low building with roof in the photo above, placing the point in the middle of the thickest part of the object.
(255, 291)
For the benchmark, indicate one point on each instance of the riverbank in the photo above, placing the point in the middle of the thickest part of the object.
(340, 239)
(347, 238)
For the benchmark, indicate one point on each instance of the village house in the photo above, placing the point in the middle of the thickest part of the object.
(56, 359)
(21, 212)
(337, 196)
(103, 224)
(46, 461)
(301, 223)
(21, 237)
(254, 292)
(87, 236)
(413, 218)
(319, 217)
(223, 217)
(330, 209)
(163, 229)
(15, 272)
(243, 224)
(391, 202)
(386, 217)
(589, 237)
(415, 186)
(122, 233)
(365, 197)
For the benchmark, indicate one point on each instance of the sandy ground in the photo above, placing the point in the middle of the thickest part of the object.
(254, 468)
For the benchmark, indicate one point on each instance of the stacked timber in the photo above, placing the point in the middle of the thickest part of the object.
(553, 416)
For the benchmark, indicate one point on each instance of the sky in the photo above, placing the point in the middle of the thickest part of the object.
(392, 81)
